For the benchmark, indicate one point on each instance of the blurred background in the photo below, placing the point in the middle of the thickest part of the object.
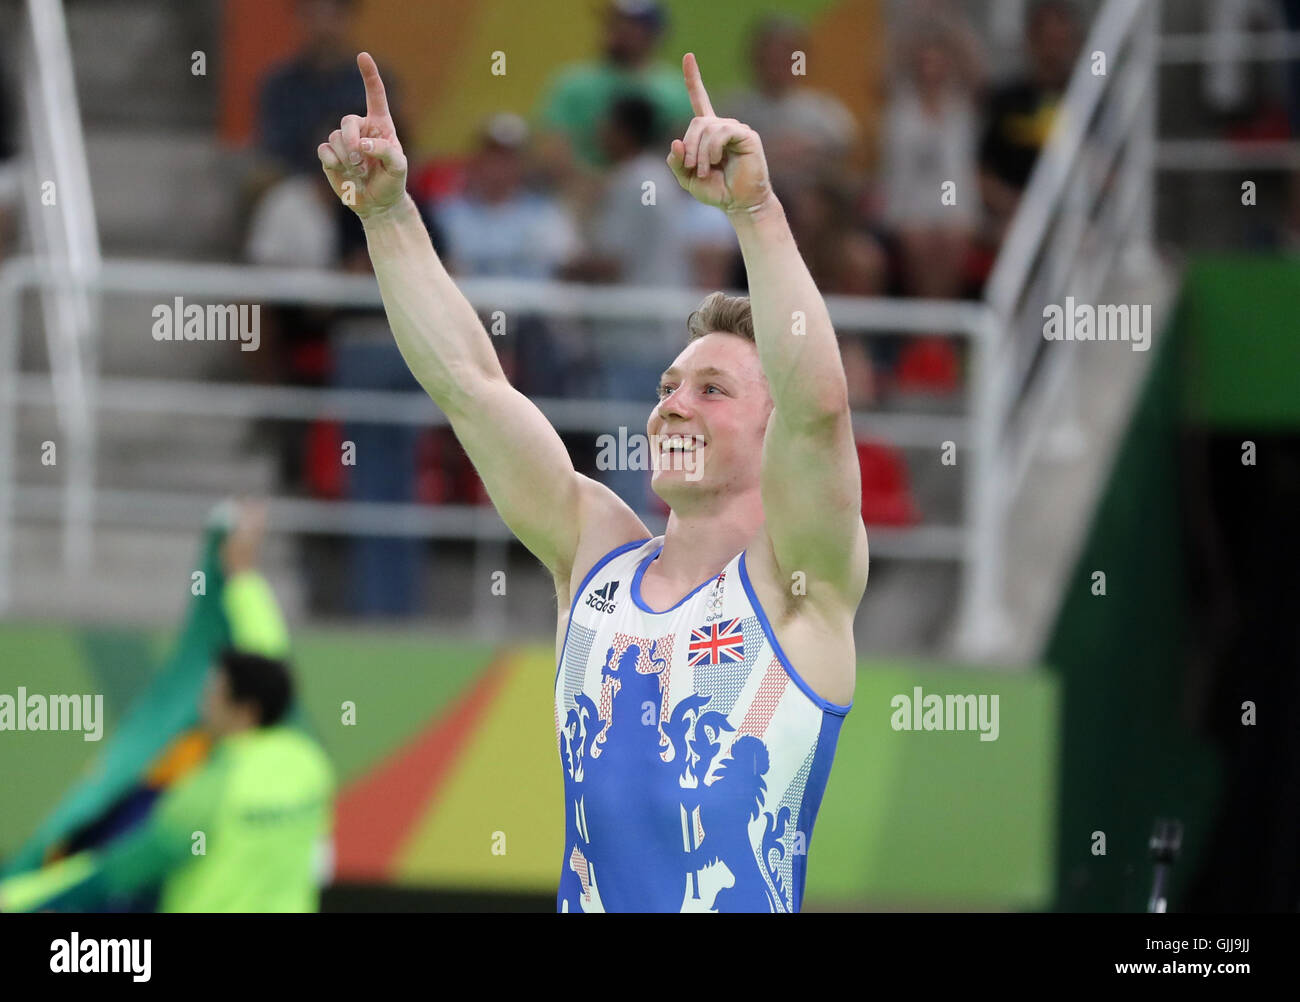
(949, 169)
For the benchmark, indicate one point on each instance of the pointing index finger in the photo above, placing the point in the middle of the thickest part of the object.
(695, 87)
(376, 98)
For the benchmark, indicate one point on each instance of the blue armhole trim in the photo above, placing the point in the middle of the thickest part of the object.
(828, 736)
(595, 569)
(839, 709)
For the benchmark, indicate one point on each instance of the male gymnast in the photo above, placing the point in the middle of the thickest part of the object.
(703, 675)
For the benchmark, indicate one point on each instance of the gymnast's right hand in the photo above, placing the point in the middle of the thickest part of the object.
(363, 158)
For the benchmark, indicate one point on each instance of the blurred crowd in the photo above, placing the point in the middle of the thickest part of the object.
(912, 204)
(559, 195)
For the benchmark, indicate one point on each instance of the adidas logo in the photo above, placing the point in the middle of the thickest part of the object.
(602, 599)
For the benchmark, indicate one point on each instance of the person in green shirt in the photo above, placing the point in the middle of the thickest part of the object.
(242, 833)
(247, 829)
(578, 101)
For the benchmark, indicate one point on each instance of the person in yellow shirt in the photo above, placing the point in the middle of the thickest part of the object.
(244, 820)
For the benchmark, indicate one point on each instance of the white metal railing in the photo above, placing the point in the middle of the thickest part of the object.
(63, 229)
(1105, 125)
(1223, 49)
(238, 283)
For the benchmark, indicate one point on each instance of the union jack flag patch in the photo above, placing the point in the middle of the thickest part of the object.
(716, 644)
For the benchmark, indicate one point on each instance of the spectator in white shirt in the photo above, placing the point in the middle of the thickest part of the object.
(497, 227)
(932, 195)
(799, 125)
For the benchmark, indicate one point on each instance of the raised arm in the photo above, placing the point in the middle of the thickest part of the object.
(810, 479)
(523, 463)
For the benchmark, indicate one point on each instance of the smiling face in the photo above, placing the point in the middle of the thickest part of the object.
(706, 433)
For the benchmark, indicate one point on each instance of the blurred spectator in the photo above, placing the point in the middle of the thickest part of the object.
(294, 224)
(300, 223)
(669, 239)
(319, 84)
(647, 231)
(930, 143)
(798, 125)
(579, 99)
(844, 258)
(498, 228)
(1020, 114)
(297, 223)
(382, 573)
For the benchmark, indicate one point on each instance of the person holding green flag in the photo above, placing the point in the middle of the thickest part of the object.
(244, 822)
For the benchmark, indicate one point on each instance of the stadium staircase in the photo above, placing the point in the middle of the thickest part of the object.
(163, 188)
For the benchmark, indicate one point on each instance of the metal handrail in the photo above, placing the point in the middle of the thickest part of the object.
(1053, 192)
(1052, 170)
(67, 232)
(272, 285)
(1193, 154)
